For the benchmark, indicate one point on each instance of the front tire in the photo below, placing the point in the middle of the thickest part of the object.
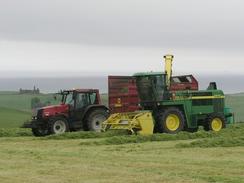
(59, 126)
(215, 122)
(40, 132)
(171, 121)
(95, 119)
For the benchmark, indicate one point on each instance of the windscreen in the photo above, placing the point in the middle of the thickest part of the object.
(151, 88)
(68, 98)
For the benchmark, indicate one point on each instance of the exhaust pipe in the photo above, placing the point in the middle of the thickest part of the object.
(168, 68)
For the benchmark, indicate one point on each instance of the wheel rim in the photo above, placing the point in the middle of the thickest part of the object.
(59, 127)
(172, 122)
(216, 124)
(97, 122)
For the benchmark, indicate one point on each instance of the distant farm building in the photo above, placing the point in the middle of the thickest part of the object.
(27, 91)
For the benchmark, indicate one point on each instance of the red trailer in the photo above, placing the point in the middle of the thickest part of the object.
(122, 92)
(184, 82)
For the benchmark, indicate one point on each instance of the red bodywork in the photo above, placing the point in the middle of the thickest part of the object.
(123, 96)
(54, 110)
(185, 82)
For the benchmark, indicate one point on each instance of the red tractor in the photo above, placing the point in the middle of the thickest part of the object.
(79, 109)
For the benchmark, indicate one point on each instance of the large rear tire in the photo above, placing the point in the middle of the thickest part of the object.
(58, 125)
(95, 119)
(171, 121)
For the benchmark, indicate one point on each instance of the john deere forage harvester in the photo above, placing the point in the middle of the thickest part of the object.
(171, 111)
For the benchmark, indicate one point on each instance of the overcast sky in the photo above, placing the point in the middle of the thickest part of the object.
(75, 37)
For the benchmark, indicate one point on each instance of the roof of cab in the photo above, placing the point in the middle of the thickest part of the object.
(82, 90)
(148, 74)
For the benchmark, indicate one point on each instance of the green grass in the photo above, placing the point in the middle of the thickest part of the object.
(86, 135)
(233, 131)
(12, 118)
(22, 102)
(217, 142)
(15, 109)
(76, 157)
(15, 132)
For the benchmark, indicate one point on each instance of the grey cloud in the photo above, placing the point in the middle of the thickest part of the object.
(148, 23)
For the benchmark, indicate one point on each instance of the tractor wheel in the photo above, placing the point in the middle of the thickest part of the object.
(40, 132)
(215, 122)
(95, 119)
(171, 121)
(58, 125)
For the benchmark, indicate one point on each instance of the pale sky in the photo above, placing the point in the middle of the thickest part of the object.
(76, 37)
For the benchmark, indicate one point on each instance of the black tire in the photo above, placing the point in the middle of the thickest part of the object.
(40, 132)
(212, 119)
(95, 118)
(58, 125)
(165, 117)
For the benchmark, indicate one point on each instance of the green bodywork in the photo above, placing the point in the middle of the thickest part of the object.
(195, 105)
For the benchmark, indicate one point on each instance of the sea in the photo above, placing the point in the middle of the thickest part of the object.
(228, 83)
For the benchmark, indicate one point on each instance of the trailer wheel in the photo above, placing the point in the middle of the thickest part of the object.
(215, 122)
(58, 125)
(95, 119)
(40, 132)
(171, 121)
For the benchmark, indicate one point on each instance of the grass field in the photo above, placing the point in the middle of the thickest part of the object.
(22, 102)
(12, 118)
(116, 157)
(100, 158)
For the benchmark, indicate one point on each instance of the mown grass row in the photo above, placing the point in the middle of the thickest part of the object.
(232, 132)
(86, 135)
(217, 142)
(229, 137)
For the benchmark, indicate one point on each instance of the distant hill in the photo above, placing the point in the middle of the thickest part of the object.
(237, 94)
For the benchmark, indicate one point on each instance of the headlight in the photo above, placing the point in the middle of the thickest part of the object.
(46, 114)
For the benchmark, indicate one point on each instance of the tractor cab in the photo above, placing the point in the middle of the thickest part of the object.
(80, 98)
(151, 87)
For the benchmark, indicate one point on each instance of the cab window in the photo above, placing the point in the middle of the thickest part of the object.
(93, 97)
(82, 100)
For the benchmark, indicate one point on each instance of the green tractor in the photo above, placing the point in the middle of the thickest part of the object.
(172, 111)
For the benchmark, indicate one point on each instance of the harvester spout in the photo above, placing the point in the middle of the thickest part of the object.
(168, 68)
